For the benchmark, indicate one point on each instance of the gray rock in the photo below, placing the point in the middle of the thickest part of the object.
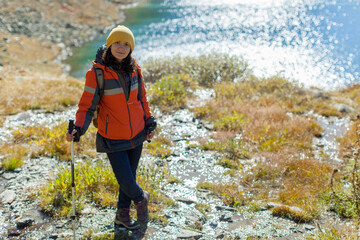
(184, 200)
(34, 214)
(309, 227)
(225, 208)
(7, 197)
(23, 116)
(343, 108)
(187, 234)
(226, 218)
(14, 232)
(24, 222)
(9, 176)
(271, 205)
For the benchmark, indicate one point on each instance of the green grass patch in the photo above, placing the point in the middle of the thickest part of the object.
(159, 146)
(12, 163)
(229, 163)
(51, 141)
(230, 194)
(14, 156)
(96, 183)
(169, 92)
(233, 148)
(203, 208)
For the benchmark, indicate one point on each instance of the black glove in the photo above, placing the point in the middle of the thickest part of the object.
(78, 133)
(150, 124)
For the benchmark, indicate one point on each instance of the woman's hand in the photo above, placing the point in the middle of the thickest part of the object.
(150, 135)
(70, 137)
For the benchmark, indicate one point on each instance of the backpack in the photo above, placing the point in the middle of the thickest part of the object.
(99, 73)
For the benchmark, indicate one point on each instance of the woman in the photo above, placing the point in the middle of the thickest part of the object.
(124, 120)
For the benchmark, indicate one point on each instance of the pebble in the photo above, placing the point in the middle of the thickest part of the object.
(187, 234)
(9, 176)
(14, 232)
(7, 197)
(184, 200)
(225, 208)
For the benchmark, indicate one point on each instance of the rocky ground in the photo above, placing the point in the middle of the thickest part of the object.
(21, 219)
(29, 28)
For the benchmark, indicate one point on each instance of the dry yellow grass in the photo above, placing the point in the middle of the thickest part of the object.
(279, 138)
(26, 56)
(30, 79)
(347, 142)
(37, 93)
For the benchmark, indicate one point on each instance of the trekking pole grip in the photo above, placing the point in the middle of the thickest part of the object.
(71, 126)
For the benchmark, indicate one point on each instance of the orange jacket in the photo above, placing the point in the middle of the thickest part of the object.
(121, 117)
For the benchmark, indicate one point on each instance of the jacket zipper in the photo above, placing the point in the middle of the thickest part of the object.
(107, 122)
(122, 82)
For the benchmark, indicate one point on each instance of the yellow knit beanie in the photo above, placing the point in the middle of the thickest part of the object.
(121, 33)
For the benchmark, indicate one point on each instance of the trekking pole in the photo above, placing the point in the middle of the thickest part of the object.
(71, 128)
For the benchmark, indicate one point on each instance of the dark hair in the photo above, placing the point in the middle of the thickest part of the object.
(126, 65)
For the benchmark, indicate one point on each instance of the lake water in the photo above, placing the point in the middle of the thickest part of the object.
(315, 42)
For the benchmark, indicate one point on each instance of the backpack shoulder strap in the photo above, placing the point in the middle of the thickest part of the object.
(139, 84)
(140, 90)
(99, 73)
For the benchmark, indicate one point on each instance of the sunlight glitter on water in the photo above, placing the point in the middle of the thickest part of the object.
(306, 41)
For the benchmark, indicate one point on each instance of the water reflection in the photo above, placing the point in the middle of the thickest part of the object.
(314, 42)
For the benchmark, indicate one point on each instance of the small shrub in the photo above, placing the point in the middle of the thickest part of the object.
(231, 122)
(159, 147)
(203, 208)
(233, 148)
(229, 193)
(14, 156)
(168, 93)
(205, 69)
(228, 163)
(12, 163)
(292, 214)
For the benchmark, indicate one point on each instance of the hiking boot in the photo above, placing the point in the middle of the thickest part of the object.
(142, 209)
(123, 218)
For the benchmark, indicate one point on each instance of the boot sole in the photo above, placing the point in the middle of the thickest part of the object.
(137, 226)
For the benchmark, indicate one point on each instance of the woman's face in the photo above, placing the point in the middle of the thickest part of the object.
(120, 50)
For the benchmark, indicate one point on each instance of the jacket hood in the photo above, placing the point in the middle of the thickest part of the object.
(99, 53)
(98, 65)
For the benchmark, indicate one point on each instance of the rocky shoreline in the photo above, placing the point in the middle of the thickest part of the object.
(64, 25)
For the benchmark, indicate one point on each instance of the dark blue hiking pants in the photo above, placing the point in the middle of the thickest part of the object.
(124, 165)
